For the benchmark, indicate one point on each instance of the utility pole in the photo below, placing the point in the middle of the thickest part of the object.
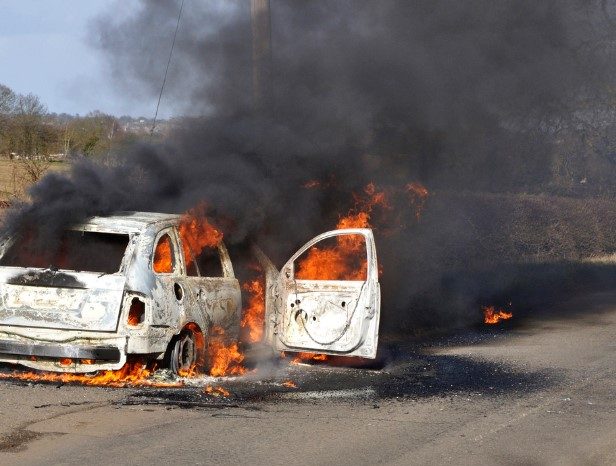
(261, 54)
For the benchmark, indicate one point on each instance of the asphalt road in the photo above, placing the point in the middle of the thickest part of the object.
(542, 391)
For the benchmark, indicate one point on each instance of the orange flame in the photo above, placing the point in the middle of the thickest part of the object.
(342, 262)
(197, 233)
(300, 357)
(133, 373)
(289, 384)
(216, 391)
(418, 194)
(254, 312)
(225, 359)
(492, 316)
(196, 367)
(346, 260)
(163, 256)
(312, 184)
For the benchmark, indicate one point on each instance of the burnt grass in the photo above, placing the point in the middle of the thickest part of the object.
(528, 290)
(473, 249)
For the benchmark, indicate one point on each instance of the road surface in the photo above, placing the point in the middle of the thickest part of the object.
(542, 391)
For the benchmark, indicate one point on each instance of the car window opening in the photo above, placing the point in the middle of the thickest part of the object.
(342, 257)
(164, 257)
(208, 262)
(80, 251)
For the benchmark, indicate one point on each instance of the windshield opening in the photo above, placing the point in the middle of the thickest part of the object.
(81, 251)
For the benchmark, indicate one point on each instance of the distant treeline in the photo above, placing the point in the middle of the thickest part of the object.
(27, 130)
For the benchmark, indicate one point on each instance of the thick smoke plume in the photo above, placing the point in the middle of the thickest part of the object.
(460, 96)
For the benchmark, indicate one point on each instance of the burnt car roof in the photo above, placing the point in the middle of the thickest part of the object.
(129, 222)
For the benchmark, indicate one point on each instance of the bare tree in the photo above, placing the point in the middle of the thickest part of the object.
(7, 100)
(92, 135)
(7, 107)
(33, 138)
(28, 129)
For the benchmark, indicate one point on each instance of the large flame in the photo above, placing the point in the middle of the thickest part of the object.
(346, 260)
(224, 358)
(197, 233)
(134, 373)
(254, 311)
(163, 256)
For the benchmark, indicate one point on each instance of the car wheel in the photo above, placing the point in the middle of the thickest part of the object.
(186, 352)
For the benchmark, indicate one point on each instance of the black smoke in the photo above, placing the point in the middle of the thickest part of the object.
(460, 96)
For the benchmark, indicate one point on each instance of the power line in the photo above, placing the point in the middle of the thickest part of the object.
(162, 88)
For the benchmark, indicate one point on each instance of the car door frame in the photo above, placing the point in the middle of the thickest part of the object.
(167, 309)
(218, 299)
(362, 335)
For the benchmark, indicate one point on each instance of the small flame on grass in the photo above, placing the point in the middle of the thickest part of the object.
(289, 384)
(492, 315)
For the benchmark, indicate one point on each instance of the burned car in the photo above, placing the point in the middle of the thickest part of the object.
(127, 285)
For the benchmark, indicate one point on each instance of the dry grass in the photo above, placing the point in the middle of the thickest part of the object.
(14, 180)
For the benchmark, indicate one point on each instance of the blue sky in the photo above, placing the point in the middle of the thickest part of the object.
(46, 48)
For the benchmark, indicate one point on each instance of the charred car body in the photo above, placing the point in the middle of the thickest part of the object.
(126, 285)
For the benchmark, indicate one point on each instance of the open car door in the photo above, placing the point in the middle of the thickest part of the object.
(326, 299)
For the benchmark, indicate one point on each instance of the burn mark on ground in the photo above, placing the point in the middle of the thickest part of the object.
(410, 372)
(18, 440)
(65, 405)
(186, 397)
(404, 371)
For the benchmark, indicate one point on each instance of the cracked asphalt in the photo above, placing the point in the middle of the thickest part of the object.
(537, 391)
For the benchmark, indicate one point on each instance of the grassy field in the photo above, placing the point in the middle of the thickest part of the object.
(14, 180)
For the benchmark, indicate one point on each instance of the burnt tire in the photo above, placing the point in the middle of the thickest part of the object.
(184, 354)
